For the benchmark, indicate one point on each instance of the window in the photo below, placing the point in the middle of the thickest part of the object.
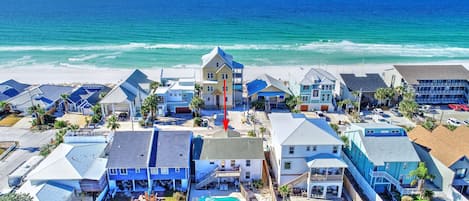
(304, 98)
(210, 75)
(226, 88)
(112, 171)
(247, 175)
(305, 87)
(208, 98)
(177, 170)
(212, 162)
(164, 171)
(291, 150)
(335, 149)
(315, 93)
(308, 148)
(287, 165)
(315, 148)
(153, 170)
(218, 64)
(233, 163)
(387, 166)
(209, 88)
(461, 172)
(137, 170)
(248, 163)
(224, 76)
(404, 166)
(123, 171)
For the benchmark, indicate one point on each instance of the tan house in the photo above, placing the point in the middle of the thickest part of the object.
(218, 66)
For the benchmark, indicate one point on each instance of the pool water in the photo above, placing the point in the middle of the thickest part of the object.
(218, 199)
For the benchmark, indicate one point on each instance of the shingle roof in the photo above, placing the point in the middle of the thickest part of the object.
(317, 74)
(19, 87)
(412, 73)
(368, 83)
(389, 149)
(228, 148)
(130, 149)
(173, 149)
(289, 129)
(71, 162)
(48, 191)
(120, 93)
(447, 146)
(228, 58)
(264, 81)
(53, 92)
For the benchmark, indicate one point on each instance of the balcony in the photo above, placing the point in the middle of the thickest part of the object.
(402, 190)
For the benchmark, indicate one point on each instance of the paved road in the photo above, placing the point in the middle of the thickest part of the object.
(29, 144)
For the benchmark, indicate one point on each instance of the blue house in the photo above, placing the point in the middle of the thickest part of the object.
(84, 97)
(383, 155)
(175, 96)
(145, 161)
(11, 88)
(268, 89)
(318, 90)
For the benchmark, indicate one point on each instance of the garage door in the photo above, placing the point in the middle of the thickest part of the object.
(183, 110)
(324, 107)
(304, 107)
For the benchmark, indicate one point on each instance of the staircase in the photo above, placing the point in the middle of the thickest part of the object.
(395, 182)
(298, 179)
(207, 179)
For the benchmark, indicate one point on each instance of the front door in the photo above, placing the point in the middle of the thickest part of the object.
(218, 100)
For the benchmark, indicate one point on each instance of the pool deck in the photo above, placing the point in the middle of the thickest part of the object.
(195, 195)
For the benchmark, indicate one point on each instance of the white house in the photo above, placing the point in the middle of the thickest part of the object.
(305, 153)
(175, 96)
(128, 95)
(68, 169)
(227, 159)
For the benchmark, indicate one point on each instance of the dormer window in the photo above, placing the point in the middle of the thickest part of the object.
(218, 64)
(210, 75)
(224, 76)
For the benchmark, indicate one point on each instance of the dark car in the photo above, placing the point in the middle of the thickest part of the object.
(396, 112)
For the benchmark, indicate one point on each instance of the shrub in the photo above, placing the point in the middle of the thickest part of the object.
(252, 133)
(257, 184)
(178, 196)
(335, 127)
(259, 105)
(451, 127)
(60, 124)
(197, 121)
(407, 198)
(45, 150)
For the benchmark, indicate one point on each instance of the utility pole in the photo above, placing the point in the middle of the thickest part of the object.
(359, 101)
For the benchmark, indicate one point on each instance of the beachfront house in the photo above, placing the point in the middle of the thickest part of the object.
(268, 90)
(127, 97)
(367, 84)
(318, 91)
(69, 170)
(445, 154)
(171, 74)
(305, 154)
(217, 67)
(175, 96)
(83, 98)
(383, 155)
(227, 160)
(149, 161)
(46, 96)
(432, 84)
(11, 88)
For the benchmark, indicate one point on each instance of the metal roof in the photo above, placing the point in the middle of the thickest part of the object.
(265, 81)
(413, 73)
(389, 149)
(228, 148)
(130, 149)
(368, 83)
(173, 149)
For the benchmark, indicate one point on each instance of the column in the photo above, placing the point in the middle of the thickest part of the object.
(174, 184)
(130, 110)
(133, 185)
(103, 110)
(324, 191)
(339, 192)
(113, 111)
(149, 184)
(308, 184)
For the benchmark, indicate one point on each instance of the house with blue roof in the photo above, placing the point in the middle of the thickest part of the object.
(175, 96)
(46, 96)
(306, 154)
(318, 91)
(149, 161)
(127, 96)
(84, 97)
(383, 155)
(11, 88)
(267, 89)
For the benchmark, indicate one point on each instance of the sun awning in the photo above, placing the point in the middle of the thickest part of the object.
(326, 163)
(271, 93)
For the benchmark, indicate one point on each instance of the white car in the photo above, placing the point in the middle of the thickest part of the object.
(377, 111)
(453, 122)
(466, 122)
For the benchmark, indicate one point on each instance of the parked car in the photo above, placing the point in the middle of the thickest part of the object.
(464, 107)
(377, 111)
(453, 121)
(466, 122)
(396, 112)
(455, 107)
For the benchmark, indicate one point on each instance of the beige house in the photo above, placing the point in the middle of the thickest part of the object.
(218, 67)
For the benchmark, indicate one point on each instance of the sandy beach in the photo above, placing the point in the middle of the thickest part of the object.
(72, 75)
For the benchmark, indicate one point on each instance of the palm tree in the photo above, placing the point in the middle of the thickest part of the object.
(262, 130)
(38, 112)
(196, 104)
(198, 89)
(112, 123)
(381, 94)
(73, 127)
(399, 91)
(284, 190)
(293, 101)
(420, 175)
(151, 103)
(5, 106)
(64, 98)
(390, 93)
(408, 108)
(153, 86)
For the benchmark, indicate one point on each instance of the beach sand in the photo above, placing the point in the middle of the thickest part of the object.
(71, 75)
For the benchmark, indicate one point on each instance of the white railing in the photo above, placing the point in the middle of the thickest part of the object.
(395, 182)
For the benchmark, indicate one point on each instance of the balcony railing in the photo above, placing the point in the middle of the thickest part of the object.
(318, 177)
(395, 182)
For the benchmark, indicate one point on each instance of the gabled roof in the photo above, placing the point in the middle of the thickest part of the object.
(368, 83)
(447, 146)
(17, 86)
(130, 149)
(228, 148)
(389, 149)
(289, 129)
(48, 191)
(319, 75)
(413, 73)
(88, 92)
(71, 162)
(217, 51)
(265, 81)
(53, 92)
(173, 148)
(120, 93)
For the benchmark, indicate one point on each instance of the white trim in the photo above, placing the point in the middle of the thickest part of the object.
(123, 171)
(112, 171)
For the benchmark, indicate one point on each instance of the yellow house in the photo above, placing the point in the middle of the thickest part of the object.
(218, 66)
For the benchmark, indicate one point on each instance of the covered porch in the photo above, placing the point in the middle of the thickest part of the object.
(325, 177)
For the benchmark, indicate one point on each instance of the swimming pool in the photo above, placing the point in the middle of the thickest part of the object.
(218, 199)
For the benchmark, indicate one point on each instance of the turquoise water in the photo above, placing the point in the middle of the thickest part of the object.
(162, 33)
(218, 199)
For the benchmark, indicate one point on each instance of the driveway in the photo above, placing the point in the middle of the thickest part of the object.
(29, 144)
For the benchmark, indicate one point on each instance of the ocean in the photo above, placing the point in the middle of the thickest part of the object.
(164, 33)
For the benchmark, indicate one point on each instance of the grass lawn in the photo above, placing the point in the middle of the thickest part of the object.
(9, 120)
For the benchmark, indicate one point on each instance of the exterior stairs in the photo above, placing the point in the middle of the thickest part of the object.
(298, 179)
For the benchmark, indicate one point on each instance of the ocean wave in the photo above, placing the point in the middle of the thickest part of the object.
(93, 56)
(322, 47)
